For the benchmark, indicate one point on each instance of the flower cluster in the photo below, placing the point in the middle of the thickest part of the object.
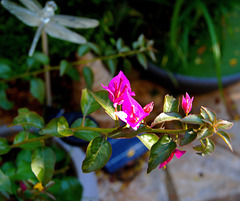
(120, 93)
(187, 107)
(163, 143)
(132, 113)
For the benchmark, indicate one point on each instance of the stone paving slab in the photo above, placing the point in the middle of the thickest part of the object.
(202, 178)
(144, 187)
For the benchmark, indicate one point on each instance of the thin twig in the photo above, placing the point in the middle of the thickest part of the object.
(46, 71)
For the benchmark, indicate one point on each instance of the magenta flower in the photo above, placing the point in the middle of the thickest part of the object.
(23, 186)
(132, 112)
(187, 103)
(177, 153)
(117, 87)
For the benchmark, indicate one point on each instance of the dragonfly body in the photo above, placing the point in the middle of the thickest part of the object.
(46, 20)
(47, 12)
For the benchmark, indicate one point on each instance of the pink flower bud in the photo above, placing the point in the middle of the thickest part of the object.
(23, 186)
(148, 108)
(187, 103)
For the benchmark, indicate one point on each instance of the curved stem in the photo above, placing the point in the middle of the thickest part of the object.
(101, 130)
(166, 131)
(53, 68)
(30, 140)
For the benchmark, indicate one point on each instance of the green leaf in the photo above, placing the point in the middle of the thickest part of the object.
(26, 117)
(199, 148)
(23, 162)
(135, 45)
(125, 49)
(208, 122)
(211, 114)
(226, 138)
(4, 103)
(112, 65)
(204, 114)
(160, 152)
(88, 77)
(127, 65)
(208, 149)
(20, 137)
(63, 127)
(95, 48)
(5, 71)
(188, 137)
(83, 49)
(166, 116)
(204, 133)
(57, 127)
(223, 124)
(73, 73)
(142, 59)
(41, 58)
(98, 153)
(64, 67)
(37, 89)
(192, 119)
(148, 139)
(4, 146)
(85, 135)
(9, 169)
(102, 98)
(66, 188)
(171, 104)
(152, 56)
(119, 44)
(5, 183)
(89, 103)
(141, 40)
(43, 161)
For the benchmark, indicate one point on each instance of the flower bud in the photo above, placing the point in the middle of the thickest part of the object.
(148, 108)
(187, 103)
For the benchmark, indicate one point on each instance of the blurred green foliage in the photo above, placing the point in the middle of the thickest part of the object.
(176, 26)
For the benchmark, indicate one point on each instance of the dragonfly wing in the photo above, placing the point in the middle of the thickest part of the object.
(60, 32)
(75, 22)
(23, 14)
(32, 5)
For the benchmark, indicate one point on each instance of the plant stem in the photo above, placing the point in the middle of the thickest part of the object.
(30, 140)
(166, 131)
(46, 71)
(52, 68)
(101, 130)
(62, 170)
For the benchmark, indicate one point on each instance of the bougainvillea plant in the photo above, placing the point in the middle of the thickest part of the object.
(118, 102)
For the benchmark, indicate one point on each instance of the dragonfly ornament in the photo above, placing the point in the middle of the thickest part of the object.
(33, 14)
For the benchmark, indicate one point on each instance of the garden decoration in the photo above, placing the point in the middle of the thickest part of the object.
(118, 102)
(48, 22)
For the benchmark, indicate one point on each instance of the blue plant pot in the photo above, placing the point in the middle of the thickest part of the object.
(123, 150)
